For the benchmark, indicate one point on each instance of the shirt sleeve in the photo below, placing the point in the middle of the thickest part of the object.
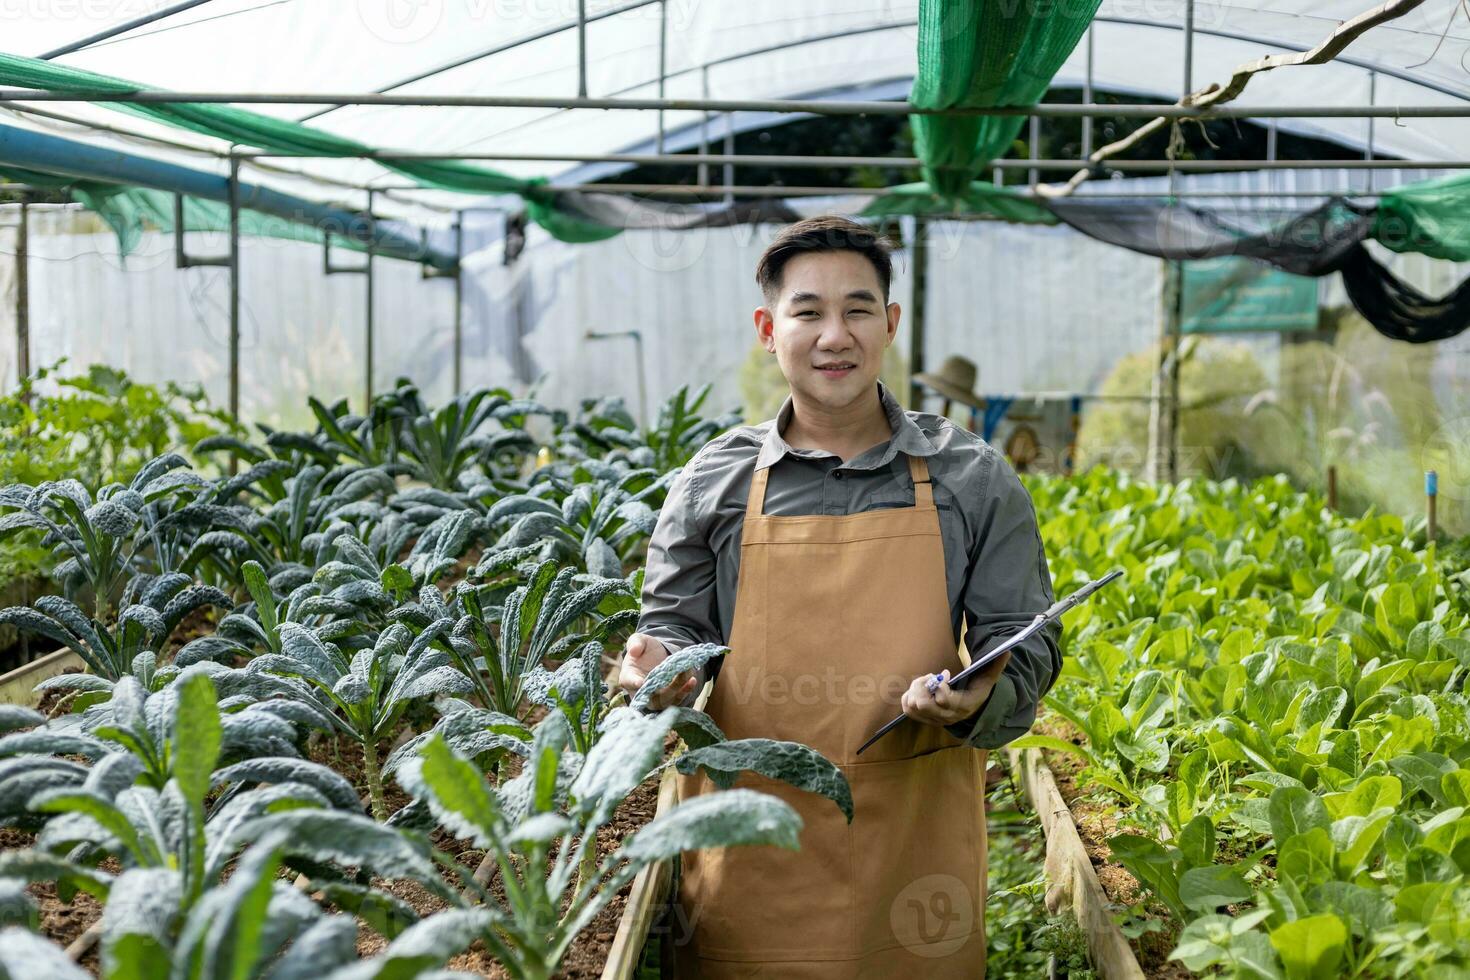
(1008, 584)
(679, 607)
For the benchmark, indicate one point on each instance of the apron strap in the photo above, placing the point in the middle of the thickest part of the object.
(923, 486)
(755, 501)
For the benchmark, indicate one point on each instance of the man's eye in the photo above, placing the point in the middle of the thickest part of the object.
(858, 313)
(807, 313)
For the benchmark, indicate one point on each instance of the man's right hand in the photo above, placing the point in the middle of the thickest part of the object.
(640, 656)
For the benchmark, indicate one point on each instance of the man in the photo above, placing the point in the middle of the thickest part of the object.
(836, 550)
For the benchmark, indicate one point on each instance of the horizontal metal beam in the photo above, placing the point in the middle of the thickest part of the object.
(643, 159)
(82, 161)
(797, 161)
(831, 107)
(1208, 166)
(1157, 166)
(217, 154)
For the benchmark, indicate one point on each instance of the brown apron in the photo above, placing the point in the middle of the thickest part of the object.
(834, 618)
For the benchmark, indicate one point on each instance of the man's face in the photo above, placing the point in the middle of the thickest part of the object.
(829, 327)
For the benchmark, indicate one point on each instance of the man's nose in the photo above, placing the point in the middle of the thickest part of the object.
(834, 334)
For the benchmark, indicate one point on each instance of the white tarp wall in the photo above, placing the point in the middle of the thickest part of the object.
(1038, 309)
(301, 332)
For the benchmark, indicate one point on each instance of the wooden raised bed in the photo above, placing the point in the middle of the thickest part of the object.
(19, 685)
(1069, 870)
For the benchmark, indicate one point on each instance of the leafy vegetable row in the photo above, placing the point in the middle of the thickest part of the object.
(404, 578)
(1274, 701)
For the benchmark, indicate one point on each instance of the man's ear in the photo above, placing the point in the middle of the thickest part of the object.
(894, 312)
(765, 329)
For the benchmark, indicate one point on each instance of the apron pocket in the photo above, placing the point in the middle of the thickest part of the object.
(764, 903)
(918, 838)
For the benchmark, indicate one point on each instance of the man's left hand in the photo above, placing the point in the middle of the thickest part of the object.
(948, 705)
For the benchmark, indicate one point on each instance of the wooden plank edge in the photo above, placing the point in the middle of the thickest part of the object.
(650, 887)
(19, 685)
(1070, 871)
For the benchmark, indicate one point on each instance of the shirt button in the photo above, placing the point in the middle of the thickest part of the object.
(839, 474)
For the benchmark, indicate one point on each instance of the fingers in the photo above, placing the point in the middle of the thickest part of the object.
(677, 690)
(944, 705)
(918, 703)
(944, 696)
(632, 677)
(640, 655)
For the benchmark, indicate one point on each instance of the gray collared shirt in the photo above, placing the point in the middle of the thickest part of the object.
(993, 558)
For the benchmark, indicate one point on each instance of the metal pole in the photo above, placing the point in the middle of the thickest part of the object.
(1033, 138)
(663, 40)
(1176, 344)
(1067, 164)
(703, 173)
(1156, 413)
(234, 195)
(23, 293)
(920, 258)
(1431, 500)
(1372, 97)
(1087, 98)
(123, 28)
(729, 167)
(368, 318)
(459, 302)
(833, 107)
(1188, 46)
(582, 49)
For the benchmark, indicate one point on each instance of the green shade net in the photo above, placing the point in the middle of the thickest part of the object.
(979, 198)
(1431, 216)
(284, 136)
(977, 55)
(129, 211)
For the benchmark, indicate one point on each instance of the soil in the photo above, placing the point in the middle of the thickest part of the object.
(345, 757)
(54, 702)
(584, 960)
(200, 622)
(1097, 820)
(61, 922)
(587, 956)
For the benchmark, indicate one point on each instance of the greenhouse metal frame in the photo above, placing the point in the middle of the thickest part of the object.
(398, 218)
(1188, 30)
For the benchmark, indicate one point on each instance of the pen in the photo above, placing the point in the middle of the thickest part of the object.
(963, 677)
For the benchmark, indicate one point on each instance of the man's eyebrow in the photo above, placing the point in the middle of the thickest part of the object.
(805, 296)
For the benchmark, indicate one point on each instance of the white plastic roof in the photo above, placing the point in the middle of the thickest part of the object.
(749, 49)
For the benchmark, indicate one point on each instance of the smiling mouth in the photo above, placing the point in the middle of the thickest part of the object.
(836, 370)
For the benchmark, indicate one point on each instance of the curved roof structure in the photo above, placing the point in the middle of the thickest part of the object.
(757, 49)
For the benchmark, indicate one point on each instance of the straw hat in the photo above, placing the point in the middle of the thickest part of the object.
(955, 380)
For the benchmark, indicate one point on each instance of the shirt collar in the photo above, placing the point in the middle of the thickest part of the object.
(907, 436)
